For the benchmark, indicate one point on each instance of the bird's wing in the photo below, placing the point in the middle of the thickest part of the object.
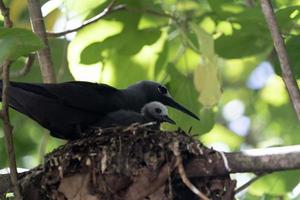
(120, 118)
(86, 96)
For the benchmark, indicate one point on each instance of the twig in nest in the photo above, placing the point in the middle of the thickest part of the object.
(225, 160)
(138, 125)
(182, 173)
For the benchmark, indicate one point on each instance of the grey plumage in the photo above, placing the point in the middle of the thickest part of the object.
(151, 112)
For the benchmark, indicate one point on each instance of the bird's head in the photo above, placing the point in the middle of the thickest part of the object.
(157, 112)
(153, 91)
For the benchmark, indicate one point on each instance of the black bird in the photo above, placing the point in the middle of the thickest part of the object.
(67, 109)
(151, 112)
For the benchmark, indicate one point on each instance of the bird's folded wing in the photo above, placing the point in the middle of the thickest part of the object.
(85, 96)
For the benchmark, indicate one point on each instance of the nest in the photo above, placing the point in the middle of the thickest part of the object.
(130, 163)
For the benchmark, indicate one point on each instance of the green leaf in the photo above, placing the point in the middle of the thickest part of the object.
(225, 8)
(249, 31)
(206, 76)
(161, 62)
(128, 43)
(136, 40)
(222, 134)
(183, 90)
(81, 11)
(253, 43)
(288, 18)
(16, 42)
(293, 51)
(249, 196)
(277, 183)
(205, 40)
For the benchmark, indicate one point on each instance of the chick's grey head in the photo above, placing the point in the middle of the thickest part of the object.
(152, 91)
(157, 112)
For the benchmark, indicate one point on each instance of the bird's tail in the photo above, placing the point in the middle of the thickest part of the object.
(12, 100)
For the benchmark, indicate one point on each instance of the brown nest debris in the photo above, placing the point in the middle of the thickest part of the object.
(133, 163)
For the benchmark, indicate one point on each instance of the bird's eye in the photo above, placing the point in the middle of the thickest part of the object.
(158, 110)
(162, 89)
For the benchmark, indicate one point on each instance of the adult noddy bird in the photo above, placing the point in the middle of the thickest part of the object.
(67, 109)
(151, 112)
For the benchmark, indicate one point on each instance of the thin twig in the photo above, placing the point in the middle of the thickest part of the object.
(108, 10)
(25, 69)
(44, 54)
(182, 173)
(287, 73)
(5, 13)
(186, 180)
(8, 130)
(5, 113)
(248, 183)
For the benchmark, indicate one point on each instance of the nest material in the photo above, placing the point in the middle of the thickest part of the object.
(130, 163)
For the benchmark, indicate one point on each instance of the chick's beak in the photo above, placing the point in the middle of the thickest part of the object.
(166, 118)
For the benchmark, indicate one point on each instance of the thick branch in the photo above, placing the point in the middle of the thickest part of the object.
(255, 160)
(44, 55)
(265, 160)
(287, 73)
(5, 115)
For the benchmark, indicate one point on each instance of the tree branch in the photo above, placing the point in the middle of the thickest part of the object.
(108, 10)
(5, 115)
(8, 130)
(248, 183)
(44, 54)
(25, 69)
(287, 73)
(5, 13)
(255, 160)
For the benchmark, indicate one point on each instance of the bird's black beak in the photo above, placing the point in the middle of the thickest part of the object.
(170, 102)
(166, 118)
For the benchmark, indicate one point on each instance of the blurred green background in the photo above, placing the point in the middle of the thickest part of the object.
(215, 56)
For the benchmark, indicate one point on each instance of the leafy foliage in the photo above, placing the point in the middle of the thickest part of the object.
(16, 42)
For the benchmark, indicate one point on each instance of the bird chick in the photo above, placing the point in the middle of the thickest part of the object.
(151, 112)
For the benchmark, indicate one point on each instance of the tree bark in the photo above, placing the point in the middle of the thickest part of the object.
(44, 54)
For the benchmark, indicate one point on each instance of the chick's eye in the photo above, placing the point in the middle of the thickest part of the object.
(157, 110)
(162, 89)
